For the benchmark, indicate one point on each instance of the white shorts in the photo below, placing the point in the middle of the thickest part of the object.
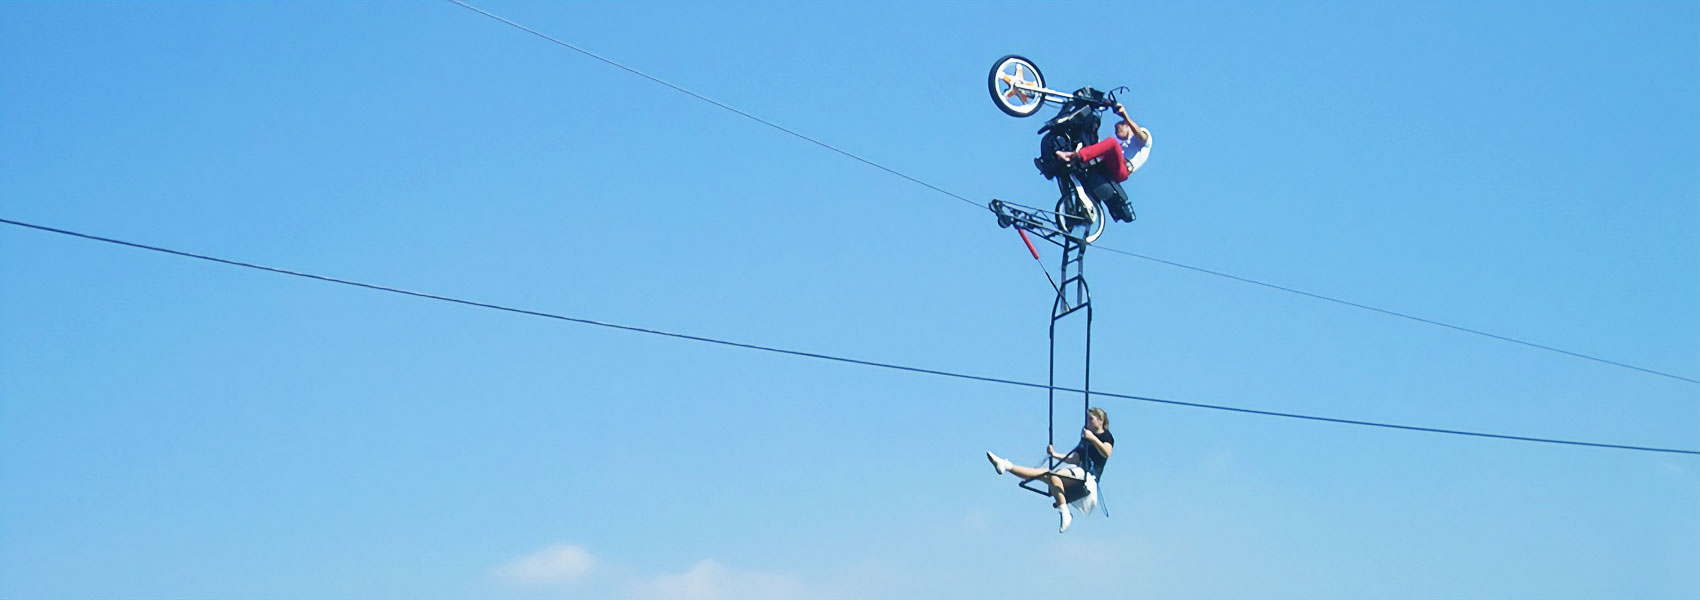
(1070, 470)
(1085, 504)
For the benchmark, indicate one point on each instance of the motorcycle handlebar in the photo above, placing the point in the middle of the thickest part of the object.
(1111, 95)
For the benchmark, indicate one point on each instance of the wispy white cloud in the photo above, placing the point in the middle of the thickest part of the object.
(976, 520)
(709, 580)
(555, 565)
(569, 568)
(1220, 460)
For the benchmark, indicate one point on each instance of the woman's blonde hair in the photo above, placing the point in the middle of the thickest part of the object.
(1102, 416)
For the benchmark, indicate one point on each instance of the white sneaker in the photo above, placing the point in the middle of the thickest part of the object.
(1066, 518)
(998, 463)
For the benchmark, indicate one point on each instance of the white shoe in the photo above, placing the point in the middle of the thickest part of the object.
(998, 463)
(1066, 518)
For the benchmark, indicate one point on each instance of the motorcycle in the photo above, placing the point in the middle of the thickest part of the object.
(1018, 88)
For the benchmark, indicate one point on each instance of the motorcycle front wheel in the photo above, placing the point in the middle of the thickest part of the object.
(1014, 101)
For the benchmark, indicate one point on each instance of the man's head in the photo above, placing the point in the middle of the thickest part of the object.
(1124, 130)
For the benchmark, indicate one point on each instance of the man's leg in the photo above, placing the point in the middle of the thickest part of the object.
(1108, 148)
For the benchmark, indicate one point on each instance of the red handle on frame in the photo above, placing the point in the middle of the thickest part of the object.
(1030, 247)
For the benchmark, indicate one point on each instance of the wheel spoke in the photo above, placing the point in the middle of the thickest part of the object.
(1015, 86)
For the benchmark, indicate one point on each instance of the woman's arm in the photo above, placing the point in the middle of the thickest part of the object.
(1092, 438)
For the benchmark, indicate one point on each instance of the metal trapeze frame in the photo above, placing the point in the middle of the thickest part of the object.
(1073, 284)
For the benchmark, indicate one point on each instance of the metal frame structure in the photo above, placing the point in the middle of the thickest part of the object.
(1044, 223)
(1072, 284)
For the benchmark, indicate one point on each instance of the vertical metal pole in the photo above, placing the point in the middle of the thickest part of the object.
(1051, 390)
(1074, 252)
(1086, 407)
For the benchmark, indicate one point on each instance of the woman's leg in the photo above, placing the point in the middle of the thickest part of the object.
(1056, 490)
(1028, 473)
(1051, 479)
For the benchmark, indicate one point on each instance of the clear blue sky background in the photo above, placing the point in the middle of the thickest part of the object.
(175, 429)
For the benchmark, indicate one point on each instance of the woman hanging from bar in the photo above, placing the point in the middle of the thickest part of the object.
(1074, 480)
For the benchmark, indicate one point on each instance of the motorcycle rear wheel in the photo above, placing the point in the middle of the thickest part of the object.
(1079, 216)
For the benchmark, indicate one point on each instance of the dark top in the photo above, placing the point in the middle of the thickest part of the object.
(1091, 459)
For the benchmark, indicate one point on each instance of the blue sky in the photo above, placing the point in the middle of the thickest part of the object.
(177, 429)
